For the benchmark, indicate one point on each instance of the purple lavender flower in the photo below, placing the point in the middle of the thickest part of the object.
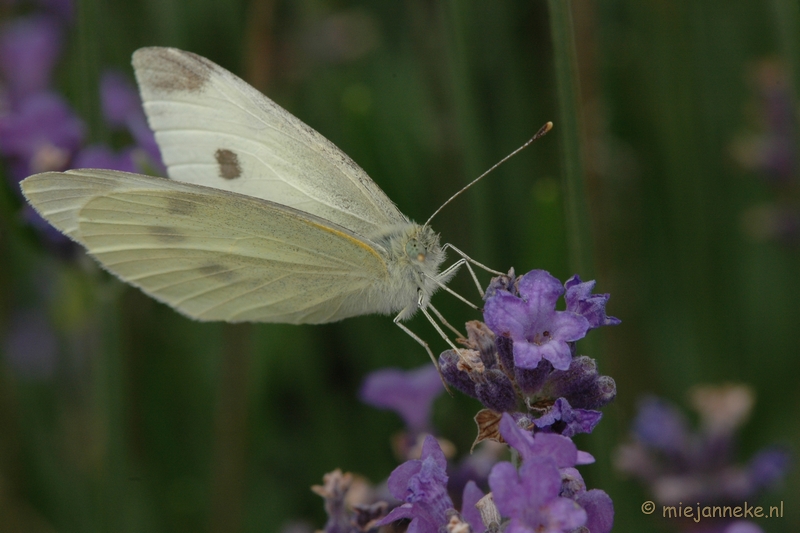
(528, 407)
(559, 393)
(599, 510)
(562, 453)
(409, 393)
(581, 385)
(422, 484)
(474, 467)
(581, 301)
(562, 418)
(530, 498)
(455, 374)
(468, 510)
(560, 449)
(531, 321)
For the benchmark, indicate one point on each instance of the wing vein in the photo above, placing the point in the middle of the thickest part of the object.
(241, 295)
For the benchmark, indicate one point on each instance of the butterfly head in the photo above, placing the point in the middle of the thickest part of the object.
(422, 248)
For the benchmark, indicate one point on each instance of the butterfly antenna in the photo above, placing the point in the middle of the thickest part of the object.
(541, 133)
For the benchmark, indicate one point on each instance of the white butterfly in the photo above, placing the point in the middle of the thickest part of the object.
(263, 219)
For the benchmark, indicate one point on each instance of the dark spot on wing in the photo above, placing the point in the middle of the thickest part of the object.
(228, 161)
(180, 206)
(166, 234)
(170, 70)
(216, 270)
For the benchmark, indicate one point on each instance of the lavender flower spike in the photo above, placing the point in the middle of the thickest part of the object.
(531, 321)
(422, 484)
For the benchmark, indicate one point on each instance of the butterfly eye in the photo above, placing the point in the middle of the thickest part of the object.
(415, 249)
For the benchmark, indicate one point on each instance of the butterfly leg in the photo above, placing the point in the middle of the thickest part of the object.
(416, 338)
(451, 270)
(438, 281)
(444, 322)
(467, 260)
(424, 345)
(471, 260)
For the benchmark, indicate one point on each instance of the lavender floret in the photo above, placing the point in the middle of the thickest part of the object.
(531, 321)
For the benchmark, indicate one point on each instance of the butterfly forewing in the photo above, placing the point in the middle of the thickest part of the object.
(212, 254)
(216, 130)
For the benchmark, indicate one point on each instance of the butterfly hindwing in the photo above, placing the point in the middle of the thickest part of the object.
(212, 254)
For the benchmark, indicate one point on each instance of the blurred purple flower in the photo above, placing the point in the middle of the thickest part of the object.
(743, 526)
(122, 108)
(58, 243)
(660, 425)
(30, 345)
(599, 510)
(475, 467)
(678, 464)
(468, 510)
(118, 98)
(581, 301)
(531, 321)
(100, 156)
(422, 484)
(409, 393)
(768, 466)
(29, 48)
(777, 156)
(41, 134)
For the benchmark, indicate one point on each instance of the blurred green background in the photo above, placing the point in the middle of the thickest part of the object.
(148, 421)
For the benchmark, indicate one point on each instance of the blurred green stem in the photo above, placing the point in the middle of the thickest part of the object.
(570, 132)
(230, 428)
